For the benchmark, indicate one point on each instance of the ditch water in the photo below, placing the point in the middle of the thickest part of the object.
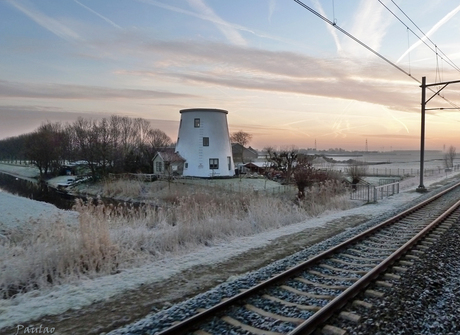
(32, 189)
(35, 190)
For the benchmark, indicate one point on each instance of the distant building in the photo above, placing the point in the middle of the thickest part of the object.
(242, 154)
(167, 162)
(204, 143)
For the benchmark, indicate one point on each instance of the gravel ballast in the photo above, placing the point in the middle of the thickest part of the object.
(425, 299)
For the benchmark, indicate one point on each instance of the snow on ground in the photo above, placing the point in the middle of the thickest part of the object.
(23, 171)
(16, 211)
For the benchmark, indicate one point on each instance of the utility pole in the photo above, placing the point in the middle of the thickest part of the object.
(421, 188)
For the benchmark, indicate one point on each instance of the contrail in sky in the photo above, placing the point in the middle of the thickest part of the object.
(226, 29)
(52, 25)
(101, 16)
(271, 9)
(438, 25)
(214, 20)
(396, 119)
(331, 29)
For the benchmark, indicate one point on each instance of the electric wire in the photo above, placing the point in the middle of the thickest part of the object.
(354, 38)
(407, 16)
(408, 46)
(325, 19)
(436, 50)
(438, 76)
(409, 29)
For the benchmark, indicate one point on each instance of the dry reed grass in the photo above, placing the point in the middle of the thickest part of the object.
(109, 238)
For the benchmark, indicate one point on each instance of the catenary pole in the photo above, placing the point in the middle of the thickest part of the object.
(421, 188)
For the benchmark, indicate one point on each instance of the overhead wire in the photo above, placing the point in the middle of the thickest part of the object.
(334, 24)
(354, 38)
(436, 50)
(426, 36)
(408, 46)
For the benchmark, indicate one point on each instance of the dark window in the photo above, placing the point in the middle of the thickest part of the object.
(205, 141)
(186, 165)
(197, 123)
(229, 161)
(213, 163)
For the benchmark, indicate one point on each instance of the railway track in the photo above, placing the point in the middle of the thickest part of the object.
(301, 299)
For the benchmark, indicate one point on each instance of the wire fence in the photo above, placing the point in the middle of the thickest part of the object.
(372, 193)
(406, 172)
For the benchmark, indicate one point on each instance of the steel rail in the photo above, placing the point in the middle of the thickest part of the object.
(183, 326)
(309, 325)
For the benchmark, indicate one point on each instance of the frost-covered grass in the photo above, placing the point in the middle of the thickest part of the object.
(109, 238)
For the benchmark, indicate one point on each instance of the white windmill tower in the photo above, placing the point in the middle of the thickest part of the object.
(204, 143)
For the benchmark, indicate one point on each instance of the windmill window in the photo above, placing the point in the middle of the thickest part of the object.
(213, 163)
(196, 123)
(205, 141)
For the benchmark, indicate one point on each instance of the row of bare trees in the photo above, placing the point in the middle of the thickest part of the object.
(115, 144)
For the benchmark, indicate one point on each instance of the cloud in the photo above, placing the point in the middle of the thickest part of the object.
(396, 136)
(101, 16)
(9, 89)
(273, 71)
(50, 24)
(25, 119)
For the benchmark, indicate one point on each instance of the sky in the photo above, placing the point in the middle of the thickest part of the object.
(283, 74)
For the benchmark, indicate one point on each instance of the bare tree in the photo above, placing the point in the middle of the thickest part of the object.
(88, 139)
(356, 170)
(241, 137)
(449, 157)
(45, 147)
(157, 139)
(283, 160)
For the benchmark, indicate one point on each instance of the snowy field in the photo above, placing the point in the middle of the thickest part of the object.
(18, 213)
(394, 163)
